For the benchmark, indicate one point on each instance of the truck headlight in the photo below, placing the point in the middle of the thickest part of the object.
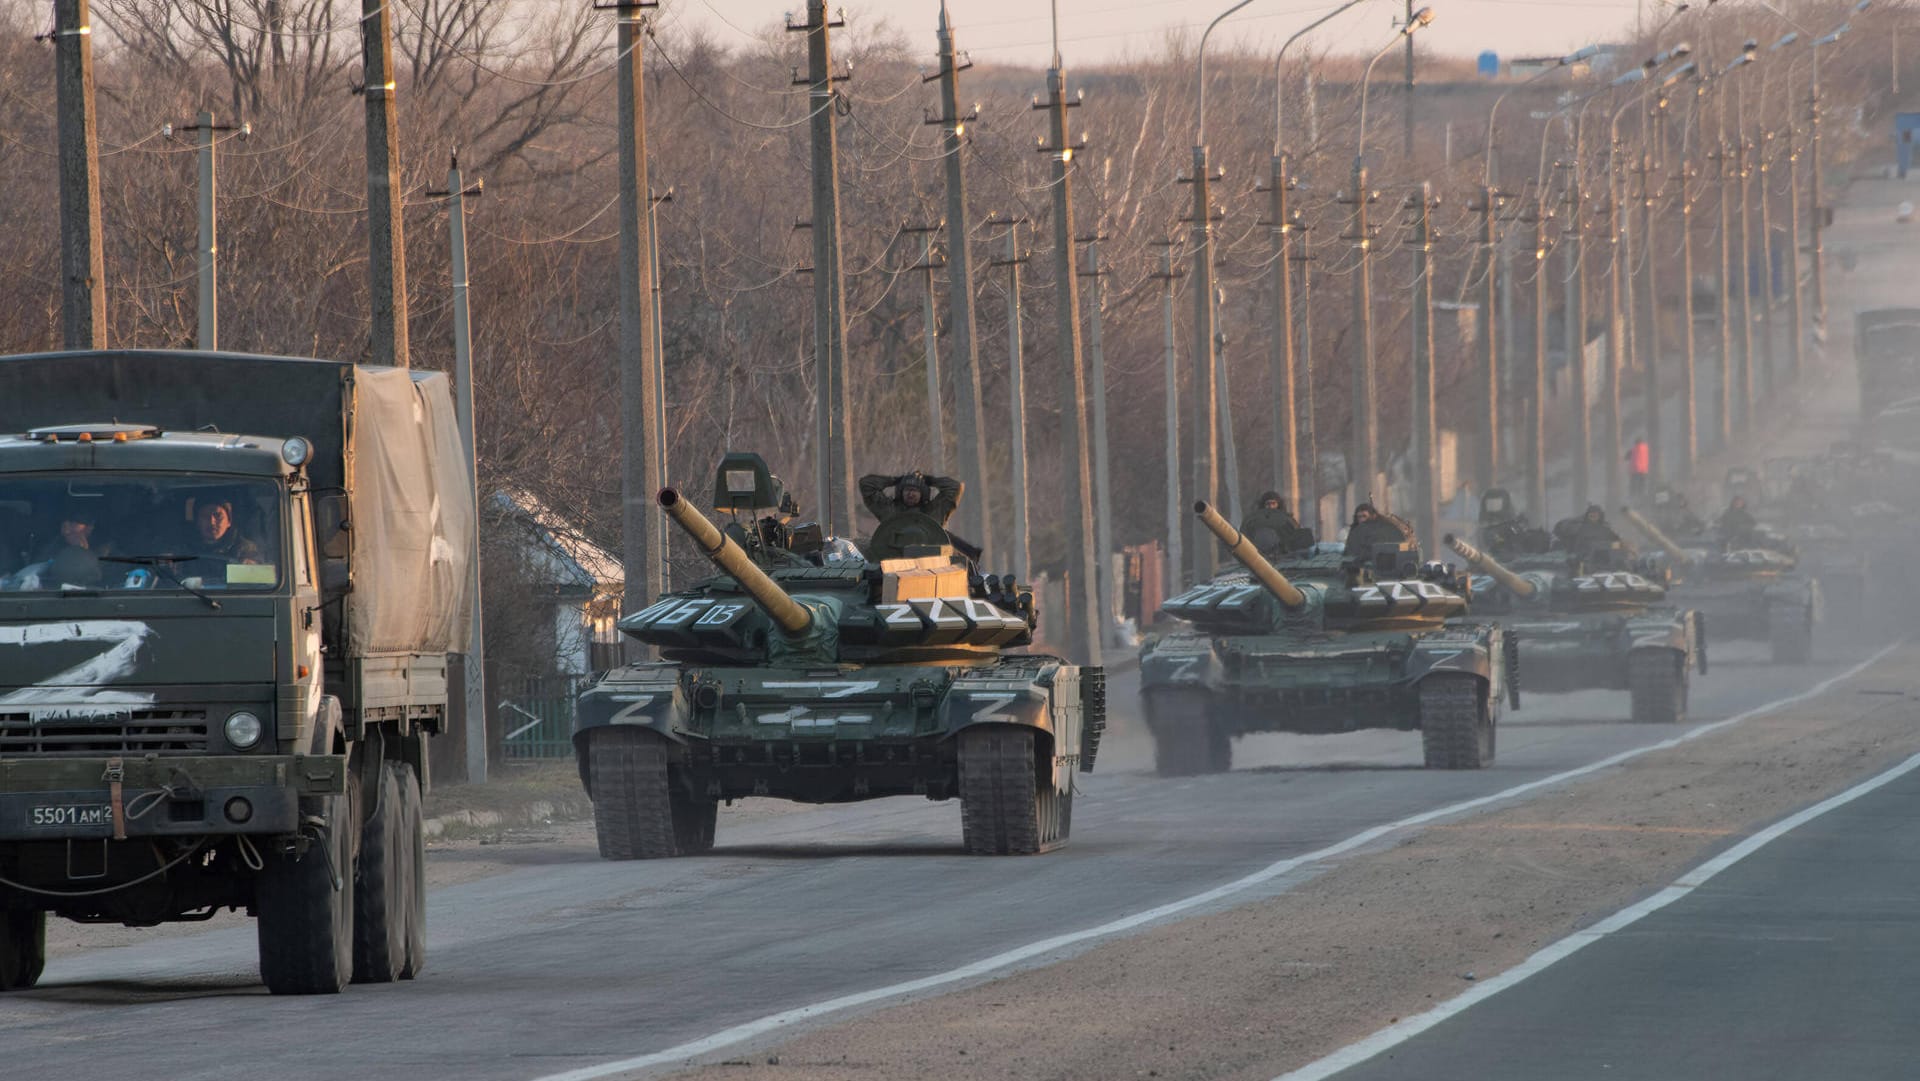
(295, 451)
(244, 731)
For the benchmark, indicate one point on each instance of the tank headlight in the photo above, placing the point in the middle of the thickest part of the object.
(244, 731)
(295, 451)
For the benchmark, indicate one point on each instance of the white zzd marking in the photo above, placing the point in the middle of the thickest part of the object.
(832, 688)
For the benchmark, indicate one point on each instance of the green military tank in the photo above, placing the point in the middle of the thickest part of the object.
(1608, 629)
(1753, 592)
(801, 673)
(1324, 643)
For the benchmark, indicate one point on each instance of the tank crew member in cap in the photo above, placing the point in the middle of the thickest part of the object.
(936, 497)
(1273, 529)
(1588, 533)
(1672, 514)
(1736, 526)
(1373, 526)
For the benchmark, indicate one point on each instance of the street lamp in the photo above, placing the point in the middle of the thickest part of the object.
(1363, 467)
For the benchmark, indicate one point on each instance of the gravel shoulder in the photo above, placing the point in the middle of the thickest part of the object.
(1260, 989)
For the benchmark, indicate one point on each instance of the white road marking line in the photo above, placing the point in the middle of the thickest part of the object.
(752, 1030)
(1392, 1036)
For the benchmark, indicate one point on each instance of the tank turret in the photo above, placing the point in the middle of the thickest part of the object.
(1249, 556)
(1489, 566)
(788, 614)
(1679, 555)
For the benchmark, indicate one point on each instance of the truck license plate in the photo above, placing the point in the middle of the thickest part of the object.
(69, 814)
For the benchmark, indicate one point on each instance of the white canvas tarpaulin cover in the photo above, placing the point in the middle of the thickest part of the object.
(412, 524)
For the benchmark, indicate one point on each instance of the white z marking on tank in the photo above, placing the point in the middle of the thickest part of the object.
(831, 688)
(992, 707)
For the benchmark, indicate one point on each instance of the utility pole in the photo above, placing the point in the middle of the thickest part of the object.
(83, 275)
(1487, 460)
(1283, 359)
(832, 410)
(1689, 448)
(1797, 315)
(1817, 222)
(1227, 451)
(1426, 510)
(1406, 105)
(1580, 433)
(976, 522)
(1651, 411)
(1205, 408)
(936, 421)
(643, 536)
(207, 330)
(1361, 467)
(1083, 610)
(1017, 397)
(657, 431)
(1308, 461)
(1744, 280)
(1176, 509)
(1769, 378)
(476, 653)
(1102, 465)
(1619, 304)
(386, 238)
(1723, 161)
(1536, 412)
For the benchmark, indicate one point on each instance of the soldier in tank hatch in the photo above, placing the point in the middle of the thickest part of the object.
(1273, 529)
(1736, 526)
(936, 497)
(1372, 526)
(1587, 533)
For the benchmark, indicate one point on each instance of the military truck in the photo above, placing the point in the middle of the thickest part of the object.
(228, 587)
(1605, 630)
(1744, 593)
(1322, 643)
(798, 674)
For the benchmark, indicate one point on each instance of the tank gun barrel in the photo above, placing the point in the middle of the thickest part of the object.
(1674, 551)
(1480, 561)
(1249, 556)
(788, 614)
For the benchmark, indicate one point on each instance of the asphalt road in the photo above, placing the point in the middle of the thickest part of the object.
(569, 961)
(1796, 962)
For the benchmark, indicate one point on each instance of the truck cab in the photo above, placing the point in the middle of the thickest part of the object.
(222, 655)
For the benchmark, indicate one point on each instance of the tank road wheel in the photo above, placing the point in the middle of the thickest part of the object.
(23, 949)
(380, 904)
(1790, 631)
(1006, 808)
(1657, 681)
(1456, 723)
(1186, 739)
(638, 814)
(304, 904)
(414, 837)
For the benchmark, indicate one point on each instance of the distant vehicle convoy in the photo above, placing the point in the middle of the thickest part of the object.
(228, 587)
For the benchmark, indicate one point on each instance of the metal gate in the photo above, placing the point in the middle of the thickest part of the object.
(537, 714)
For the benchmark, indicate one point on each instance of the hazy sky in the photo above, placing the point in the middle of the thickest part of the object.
(1095, 31)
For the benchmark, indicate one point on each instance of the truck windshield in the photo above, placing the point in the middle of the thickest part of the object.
(95, 532)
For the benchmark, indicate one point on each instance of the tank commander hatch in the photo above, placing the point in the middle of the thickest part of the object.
(1372, 526)
(1273, 529)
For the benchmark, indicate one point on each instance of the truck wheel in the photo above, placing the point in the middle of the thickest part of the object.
(415, 838)
(304, 904)
(1456, 724)
(1657, 682)
(1790, 631)
(1186, 739)
(23, 949)
(379, 885)
(1005, 808)
(632, 806)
